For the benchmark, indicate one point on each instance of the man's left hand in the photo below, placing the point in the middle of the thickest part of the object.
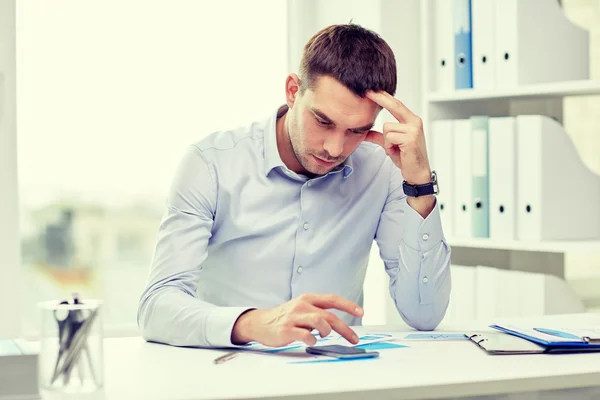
(403, 141)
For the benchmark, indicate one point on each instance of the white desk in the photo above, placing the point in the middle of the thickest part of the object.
(135, 369)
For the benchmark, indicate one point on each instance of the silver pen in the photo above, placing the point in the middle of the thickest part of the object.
(226, 357)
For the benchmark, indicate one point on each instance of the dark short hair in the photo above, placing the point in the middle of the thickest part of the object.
(355, 56)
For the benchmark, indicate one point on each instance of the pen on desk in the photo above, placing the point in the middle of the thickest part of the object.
(225, 357)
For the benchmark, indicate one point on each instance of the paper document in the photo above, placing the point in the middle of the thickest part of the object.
(436, 336)
(328, 340)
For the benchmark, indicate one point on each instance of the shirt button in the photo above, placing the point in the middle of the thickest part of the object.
(309, 184)
(425, 280)
(299, 270)
(425, 236)
(305, 226)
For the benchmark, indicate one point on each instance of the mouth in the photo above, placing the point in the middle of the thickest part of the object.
(323, 162)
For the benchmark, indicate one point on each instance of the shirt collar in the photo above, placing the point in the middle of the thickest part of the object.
(271, 151)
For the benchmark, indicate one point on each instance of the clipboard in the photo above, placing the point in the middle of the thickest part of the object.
(500, 343)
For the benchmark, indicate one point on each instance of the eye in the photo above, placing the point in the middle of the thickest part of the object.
(321, 122)
(360, 132)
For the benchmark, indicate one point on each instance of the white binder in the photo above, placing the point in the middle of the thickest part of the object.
(444, 46)
(557, 195)
(463, 298)
(503, 178)
(535, 43)
(462, 179)
(442, 138)
(483, 39)
(487, 287)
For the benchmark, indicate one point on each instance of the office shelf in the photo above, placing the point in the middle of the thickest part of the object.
(576, 246)
(546, 90)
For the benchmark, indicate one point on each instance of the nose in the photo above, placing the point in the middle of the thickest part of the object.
(334, 144)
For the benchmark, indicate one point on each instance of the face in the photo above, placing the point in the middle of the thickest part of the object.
(326, 123)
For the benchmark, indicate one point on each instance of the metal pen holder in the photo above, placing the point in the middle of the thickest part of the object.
(71, 352)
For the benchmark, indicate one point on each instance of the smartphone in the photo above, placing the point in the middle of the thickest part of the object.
(339, 351)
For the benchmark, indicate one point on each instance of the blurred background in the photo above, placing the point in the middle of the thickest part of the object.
(109, 94)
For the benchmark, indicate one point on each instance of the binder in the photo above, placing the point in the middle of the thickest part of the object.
(524, 32)
(483, 40)
(442, 137)
(552, 338)
(444, 46)
(503, 178)
(487, 292)
(557, 195)
(463, 66)
(480, 185)
(461, 306)
(463, 179)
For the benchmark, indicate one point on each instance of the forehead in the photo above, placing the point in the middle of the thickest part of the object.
(340, 104)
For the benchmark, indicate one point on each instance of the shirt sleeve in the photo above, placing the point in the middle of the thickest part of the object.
(169, 310)
(416, 257)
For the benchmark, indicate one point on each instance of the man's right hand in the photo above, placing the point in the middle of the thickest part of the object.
(295, 320)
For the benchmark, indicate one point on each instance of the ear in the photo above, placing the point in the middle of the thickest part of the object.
(292, 89)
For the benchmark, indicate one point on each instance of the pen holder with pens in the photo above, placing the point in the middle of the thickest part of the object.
(71, 352)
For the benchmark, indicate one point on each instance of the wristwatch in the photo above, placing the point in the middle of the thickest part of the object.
(425, 189)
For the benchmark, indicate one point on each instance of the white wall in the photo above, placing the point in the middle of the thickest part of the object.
(9, 243)
(398, 23)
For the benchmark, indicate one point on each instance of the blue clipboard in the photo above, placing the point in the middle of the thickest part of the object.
(577, 343)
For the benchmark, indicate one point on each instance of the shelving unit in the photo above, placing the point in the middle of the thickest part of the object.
(543, 99)
(538, 91)
(584, 246)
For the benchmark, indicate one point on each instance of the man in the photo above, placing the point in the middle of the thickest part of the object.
(268, 228)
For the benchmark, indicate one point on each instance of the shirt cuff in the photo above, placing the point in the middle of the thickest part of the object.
(422, 234)
(219, 325)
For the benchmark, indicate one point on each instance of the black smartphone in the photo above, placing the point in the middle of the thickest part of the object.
(339, 351)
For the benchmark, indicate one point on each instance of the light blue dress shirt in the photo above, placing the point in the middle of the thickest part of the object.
(243, 231)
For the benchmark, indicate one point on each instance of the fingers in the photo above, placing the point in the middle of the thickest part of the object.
(314, 320)
(303, 335)
(340, 327)
(394, 139)
(393, 105)
(326, 301)
(392, 134)
(325, 322)
(375, 137)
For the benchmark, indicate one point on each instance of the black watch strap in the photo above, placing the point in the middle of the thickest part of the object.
(425, 189)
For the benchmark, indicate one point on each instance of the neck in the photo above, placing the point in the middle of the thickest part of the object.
(284, 144)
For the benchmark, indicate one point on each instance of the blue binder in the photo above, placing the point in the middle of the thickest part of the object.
(567, 342)
(463, 60)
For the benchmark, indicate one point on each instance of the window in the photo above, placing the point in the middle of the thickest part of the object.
(581, 116)
(109, 95)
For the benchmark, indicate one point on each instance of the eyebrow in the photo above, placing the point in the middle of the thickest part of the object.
(328, 120)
